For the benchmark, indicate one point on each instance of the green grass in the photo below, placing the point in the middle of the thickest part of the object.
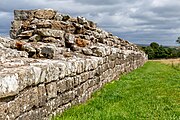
(151, 92)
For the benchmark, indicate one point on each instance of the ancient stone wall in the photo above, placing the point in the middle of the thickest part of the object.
(55, 61)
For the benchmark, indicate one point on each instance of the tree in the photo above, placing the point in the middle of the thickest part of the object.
(178, 40)
(155, 51)
(150, 52)
(154, 45)
(161, 52)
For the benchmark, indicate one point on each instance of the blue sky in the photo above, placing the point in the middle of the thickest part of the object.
(139, 21)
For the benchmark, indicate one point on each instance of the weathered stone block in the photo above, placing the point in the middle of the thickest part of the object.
(52, 71)
(82, 42)
(69, 68)
(35, 38)
(80, 67)
(68, 96)
(77, 80)
(88, 64)
(43, 24)
(58, 17)
(49, 39)
(98, 51)
(61, 86)
(37, 75)
(3, 111)
(16, 25)
(13, 109)
(62, 68)
(26, 77)
(69, 39)
(56, 25)
(58, 100)
(28, 99)
(32, 115)
(87, 51)
(82, 20)
(48, 51)
(84, 77)
(23, 14)
(50, 106)
(51, 33)
(51, 89)
(65, 17)
(69, 83)
(9, 85)
(42, 96)
(44, 14)
(79, 90)
(92, 24)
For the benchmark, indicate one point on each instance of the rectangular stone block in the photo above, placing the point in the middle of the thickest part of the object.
(9, 85)
(61, 86)
(53, 72)
(69, 69)
(45, 14)
(91, 82)
(3, 111)
(51, 33)
(13, 109)
(92, 74)
(68, 96)
(62, 68)
(88, 65)
(77, 80)
(23, 14)
(42, 96)
(80, 66)
(28, 99)
(111, 64)
(59, 100)
(32, 115)
(50, 106)
(51, 89)
(84, 77)
(79, 90)
(28, 76)
(85, 86)
(69, 83)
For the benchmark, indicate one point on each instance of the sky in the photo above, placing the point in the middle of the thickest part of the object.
(139, 21)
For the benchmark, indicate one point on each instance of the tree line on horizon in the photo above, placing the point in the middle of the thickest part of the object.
(156, 51)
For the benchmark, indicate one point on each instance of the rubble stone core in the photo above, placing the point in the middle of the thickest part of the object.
(54, 61)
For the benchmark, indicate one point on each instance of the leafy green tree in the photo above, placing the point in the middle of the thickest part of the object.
(161, 52)
(178, 40)
(155, 51)
(154, 45)
(150, 52)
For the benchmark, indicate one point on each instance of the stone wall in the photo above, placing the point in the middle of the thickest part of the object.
(54, 61)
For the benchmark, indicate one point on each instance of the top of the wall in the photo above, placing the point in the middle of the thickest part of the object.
(49, 34)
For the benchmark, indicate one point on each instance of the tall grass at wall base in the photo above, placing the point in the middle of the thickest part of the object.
(176, 66)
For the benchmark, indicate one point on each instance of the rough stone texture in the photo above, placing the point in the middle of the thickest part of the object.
(54, 61)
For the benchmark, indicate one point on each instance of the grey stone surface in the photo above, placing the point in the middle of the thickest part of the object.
(50, 33)
(48, 51)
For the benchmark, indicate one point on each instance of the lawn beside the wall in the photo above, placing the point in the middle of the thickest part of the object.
(151, 92)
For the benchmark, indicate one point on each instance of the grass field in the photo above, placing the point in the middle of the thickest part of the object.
(151, 92)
